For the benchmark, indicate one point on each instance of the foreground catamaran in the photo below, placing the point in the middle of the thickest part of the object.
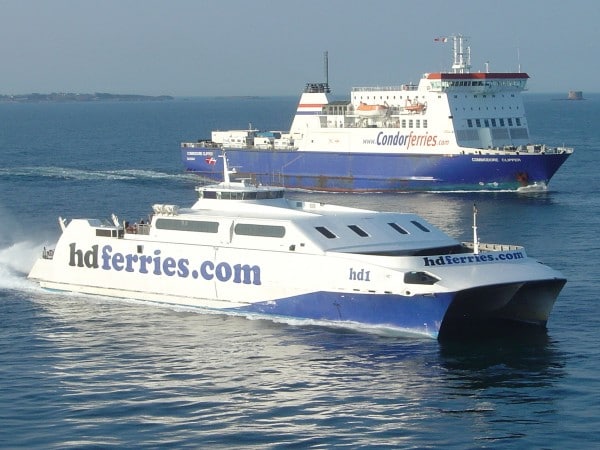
(455, 130)
(247, 249)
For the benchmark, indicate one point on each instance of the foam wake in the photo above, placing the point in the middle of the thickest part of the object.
(16, 261)
(64, 173)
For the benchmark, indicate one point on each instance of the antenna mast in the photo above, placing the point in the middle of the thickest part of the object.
(475, 237)
(326, 56)
(462, 54)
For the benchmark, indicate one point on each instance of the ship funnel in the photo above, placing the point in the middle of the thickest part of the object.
(311, 104)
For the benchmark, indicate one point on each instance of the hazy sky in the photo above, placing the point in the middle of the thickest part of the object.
(273, 47)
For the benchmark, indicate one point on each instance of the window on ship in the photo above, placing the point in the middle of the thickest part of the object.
(326, 232)
(420, 226)
(252, 229)
(187, 225)
(358, 230)
(398, 228)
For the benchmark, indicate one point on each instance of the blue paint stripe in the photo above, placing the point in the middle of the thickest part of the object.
(379, 171)
(421, 314)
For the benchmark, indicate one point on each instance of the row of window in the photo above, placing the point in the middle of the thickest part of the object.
(501, 122)
(242, 195)
(201, 226)
(510, 83)
(483, 95)
(275, 231)
(362, 233)
(109, 232)
(367, 98)
(412, 97)
(416, 122)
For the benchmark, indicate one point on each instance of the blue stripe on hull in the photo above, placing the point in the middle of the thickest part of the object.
(378, 172)
(418, 314)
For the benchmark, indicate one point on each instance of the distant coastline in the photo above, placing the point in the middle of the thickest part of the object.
(72, 97)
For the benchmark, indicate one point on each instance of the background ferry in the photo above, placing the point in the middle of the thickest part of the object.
(454, 130)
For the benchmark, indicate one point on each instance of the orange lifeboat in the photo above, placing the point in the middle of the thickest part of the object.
(365, 110)
(415, 106)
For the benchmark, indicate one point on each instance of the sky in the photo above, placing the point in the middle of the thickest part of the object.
(274, 47)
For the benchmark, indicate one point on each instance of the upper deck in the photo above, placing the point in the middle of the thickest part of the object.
(476, 82)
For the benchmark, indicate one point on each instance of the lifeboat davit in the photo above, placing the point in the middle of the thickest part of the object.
(365, 110)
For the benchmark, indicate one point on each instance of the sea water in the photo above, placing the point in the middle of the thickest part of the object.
(93, 372)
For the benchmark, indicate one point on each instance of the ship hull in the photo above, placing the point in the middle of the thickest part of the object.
(383, 172)
(438, 316)
(514, 290)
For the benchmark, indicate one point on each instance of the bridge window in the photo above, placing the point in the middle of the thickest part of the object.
(109, 232)
(207, 194)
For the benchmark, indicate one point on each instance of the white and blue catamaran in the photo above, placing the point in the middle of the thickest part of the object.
(247, 249)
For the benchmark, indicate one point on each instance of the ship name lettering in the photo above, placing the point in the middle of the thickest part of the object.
(406, 140)
(360, 275)
(157, 264)
(484, 159)
(87, 259)
(471, 258)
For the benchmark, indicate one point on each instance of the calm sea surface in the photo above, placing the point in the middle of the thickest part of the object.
(92, 372)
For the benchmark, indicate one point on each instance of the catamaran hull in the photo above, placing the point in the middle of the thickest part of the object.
(367, 172)
(439, 315)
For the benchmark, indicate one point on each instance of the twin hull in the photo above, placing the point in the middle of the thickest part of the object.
(292, 284)
(363, 172)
